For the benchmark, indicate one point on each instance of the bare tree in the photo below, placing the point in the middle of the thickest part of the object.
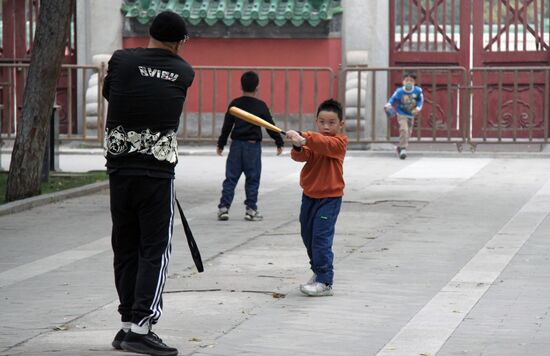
(38, 98)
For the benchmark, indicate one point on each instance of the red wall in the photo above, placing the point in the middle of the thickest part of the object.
(259, 52)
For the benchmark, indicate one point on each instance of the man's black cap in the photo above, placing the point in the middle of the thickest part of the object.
(168, 27)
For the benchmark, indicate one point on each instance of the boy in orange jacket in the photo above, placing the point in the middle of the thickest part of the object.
(322, 181)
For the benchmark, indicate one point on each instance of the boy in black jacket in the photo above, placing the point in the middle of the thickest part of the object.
(245, 155)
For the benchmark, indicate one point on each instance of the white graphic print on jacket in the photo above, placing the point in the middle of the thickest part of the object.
(162, 147)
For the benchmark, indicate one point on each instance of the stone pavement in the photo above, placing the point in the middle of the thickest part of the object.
(435, 255)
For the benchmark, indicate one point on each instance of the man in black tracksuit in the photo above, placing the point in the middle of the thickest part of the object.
(146, 89)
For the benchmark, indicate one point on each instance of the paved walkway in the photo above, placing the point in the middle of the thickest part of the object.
(434, 256)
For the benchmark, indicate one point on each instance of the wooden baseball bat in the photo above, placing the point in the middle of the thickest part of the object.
(253, 119)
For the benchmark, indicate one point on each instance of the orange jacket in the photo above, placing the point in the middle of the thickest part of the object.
(323, 174)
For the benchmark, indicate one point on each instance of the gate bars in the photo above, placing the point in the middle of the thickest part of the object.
(482, 105)
(291, 93)
(477, 106)
(442, 119)
(78, 101)
(510, 104)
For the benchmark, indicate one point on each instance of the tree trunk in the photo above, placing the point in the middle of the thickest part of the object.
(38, 98)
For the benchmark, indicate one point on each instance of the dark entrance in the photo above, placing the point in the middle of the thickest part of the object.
(19, 19)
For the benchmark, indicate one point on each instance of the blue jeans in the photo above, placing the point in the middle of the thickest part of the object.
(244, 157)
(317, 220)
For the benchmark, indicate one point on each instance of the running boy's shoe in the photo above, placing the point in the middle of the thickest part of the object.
(252, 215)
(317, 289)
(223, 214)
(402, 153)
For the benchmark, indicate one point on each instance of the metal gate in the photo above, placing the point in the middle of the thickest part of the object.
(509, 79)
(510, 104)
(438, 32)
(292, 94)
(504, 45)
(429, 32)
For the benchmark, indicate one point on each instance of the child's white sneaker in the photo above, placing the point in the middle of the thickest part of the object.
(312, 280)
(317, 289)
(402, 153)
(252, 215)
(223, 214)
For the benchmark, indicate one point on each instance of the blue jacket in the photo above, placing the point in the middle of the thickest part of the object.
(407, 101)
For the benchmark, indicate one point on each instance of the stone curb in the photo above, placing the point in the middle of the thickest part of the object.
(33, 202)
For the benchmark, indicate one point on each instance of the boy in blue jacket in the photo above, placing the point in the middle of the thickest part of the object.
(409, 100)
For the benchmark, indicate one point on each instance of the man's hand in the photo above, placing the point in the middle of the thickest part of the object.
(279, 151)
(219, 151)
(296, 138)
(415, 111)
(388, 107)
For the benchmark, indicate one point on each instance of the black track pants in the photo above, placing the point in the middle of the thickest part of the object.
(142, 210)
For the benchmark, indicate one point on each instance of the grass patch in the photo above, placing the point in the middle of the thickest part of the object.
(59, 181)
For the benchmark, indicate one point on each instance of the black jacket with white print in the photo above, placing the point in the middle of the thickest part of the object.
(146, 89)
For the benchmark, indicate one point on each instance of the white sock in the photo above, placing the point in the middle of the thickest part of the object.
(143, 330)
(126, 325)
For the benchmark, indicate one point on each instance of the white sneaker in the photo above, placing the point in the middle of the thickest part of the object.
(252, 215)
(403, 153)
(317, 289)
(312, 280)
(223, 214)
